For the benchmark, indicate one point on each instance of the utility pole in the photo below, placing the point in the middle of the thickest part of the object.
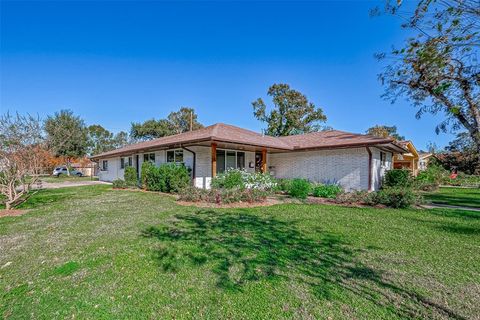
(191, 120)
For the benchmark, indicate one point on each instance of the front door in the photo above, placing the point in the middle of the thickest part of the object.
(137, 162)
(258, 162)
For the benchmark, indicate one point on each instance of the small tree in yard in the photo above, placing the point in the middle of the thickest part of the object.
(22, 154)
(66, 135)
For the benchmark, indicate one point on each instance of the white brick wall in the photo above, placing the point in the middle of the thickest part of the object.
(113, 169)
(348, 167)
(378, 169)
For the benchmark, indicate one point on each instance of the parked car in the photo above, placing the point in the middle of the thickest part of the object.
(58, 171)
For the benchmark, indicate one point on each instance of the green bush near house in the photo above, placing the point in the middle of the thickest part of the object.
(229, 179)
(119, 184)
(299, 188)
(223, 195)
(395, 197)
(169, 177)
(326, 190)
(130, 176)
(241, 179)
(397, 178)
(283, 185)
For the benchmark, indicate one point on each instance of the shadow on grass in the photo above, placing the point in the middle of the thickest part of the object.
(241, 247)
(472, 200)
(465, 230)
(45, 196)
(455, 213)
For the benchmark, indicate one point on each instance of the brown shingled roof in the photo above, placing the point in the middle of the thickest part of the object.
(221, 132)
(332, 138)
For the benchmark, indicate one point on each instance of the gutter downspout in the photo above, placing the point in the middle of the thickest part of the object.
(194, 163)
(370, 167)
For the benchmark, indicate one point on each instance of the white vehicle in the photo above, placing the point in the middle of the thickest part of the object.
(58, 171)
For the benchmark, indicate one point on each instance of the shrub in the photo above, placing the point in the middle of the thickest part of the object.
(151, 178)
(351, 197)
(326, 190)
(169, 177)
(130, 176)
(219, 196)
(396, 197)
(397, 178)
(433, 174)
(146, 172)
(283, 185)
(175, 177)
(259, 181)
(119, 184)
(229, 179)
(240, 179)
(299, 188)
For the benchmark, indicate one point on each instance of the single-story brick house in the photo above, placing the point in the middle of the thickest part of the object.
(355, 161)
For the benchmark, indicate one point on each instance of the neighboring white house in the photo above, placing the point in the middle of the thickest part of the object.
(355, 161)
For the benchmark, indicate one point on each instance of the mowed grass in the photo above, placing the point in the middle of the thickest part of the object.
(97, 253)
(468, 197)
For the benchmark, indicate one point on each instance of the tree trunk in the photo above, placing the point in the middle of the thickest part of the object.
(8, 206)
(477, 168)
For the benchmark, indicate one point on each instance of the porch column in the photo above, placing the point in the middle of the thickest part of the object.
(214, 159)
(264, 160)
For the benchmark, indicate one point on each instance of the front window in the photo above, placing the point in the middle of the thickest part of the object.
(149, 157)
(175, 156)
(228, 159)
(126, 162)
(105, 165)
(383, 158)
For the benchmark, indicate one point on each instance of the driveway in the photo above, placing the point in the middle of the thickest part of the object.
(64, 184)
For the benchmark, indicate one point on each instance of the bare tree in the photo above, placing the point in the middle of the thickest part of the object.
(21, 156)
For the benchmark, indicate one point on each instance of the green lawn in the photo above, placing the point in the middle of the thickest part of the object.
(97, 253)
(469, 197)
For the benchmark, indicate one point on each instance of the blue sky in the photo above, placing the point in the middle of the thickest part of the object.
(117, 62)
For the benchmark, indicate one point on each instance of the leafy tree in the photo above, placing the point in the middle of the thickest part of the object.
(99, 140)
(183, 120)
(22, 155)
(66, 135)
(121, 139)
(385, 132)
(292, 112)
(176, 122)
(437, 69)
(150, 129)
(462, 142)
(460, 154)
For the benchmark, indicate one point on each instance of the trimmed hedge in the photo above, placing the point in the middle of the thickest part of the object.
(130, 176)
(168, 177)
(299, 188)
(397, 178)
(326, 190)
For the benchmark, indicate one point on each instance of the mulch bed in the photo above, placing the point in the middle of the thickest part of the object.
(12, 213)
(203, 204)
